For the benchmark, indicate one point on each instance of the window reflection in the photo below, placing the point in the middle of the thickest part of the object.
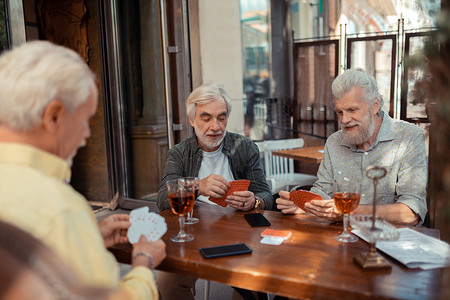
(142, 57)
(416, 95)
(143, 97)
(376, 56)
(256, 46)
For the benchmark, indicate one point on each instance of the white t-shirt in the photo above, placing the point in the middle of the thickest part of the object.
(214, 163)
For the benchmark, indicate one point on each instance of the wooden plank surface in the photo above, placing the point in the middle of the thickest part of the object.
(310, 264)
(306, 154)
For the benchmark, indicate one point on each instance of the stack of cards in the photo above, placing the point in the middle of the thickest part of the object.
(274, 236)
(150, 224)
(236, 186)
(300, 197)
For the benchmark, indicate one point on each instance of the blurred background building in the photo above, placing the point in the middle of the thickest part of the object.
(276, 58)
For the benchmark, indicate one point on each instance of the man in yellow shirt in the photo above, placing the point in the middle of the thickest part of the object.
(47, 96)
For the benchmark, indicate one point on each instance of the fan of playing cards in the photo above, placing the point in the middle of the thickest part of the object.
(143, 222)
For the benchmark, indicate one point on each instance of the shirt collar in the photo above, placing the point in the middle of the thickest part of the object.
(45, 162)
(386, 133)
(227, 144)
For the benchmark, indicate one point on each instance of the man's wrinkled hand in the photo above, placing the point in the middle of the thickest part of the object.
(325, 209)
(114, 229)
(286, 205)
(213, 186)
(242, 200)
(156, 249)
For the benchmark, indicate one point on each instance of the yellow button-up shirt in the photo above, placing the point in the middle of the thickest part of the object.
(35, 197)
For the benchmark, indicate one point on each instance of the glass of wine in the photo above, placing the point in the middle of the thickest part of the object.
(346, 194)
(190, 219)
(181, 199)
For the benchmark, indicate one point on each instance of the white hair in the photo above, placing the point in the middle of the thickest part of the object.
(36, 73)
(204, 94)
(356, 77)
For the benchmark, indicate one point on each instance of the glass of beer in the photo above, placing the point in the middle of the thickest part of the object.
(181, 199)
(346, 194)
(190, 219)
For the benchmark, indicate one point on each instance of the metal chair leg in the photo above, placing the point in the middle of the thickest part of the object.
(206, 295)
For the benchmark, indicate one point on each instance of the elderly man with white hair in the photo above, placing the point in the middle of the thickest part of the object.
(369, 136)
(47, 97)
(216, 157)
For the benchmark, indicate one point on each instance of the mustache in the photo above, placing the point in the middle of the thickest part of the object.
(350, 124)
(214, 132)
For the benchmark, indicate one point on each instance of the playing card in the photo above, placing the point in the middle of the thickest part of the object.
(300, 197)
(271, 240)
(218, 201)
(235, 186)
(150, 224)
(138, 213)
(285, 234)
(274, 236)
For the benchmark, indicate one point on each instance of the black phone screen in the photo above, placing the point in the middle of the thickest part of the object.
(256, 220)
(225, 250)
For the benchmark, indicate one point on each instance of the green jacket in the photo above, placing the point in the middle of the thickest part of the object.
(185, 158)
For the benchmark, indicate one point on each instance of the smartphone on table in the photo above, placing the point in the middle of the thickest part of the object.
(225, 250)
(256, 220)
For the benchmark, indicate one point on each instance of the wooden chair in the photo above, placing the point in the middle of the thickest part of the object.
(280, 170)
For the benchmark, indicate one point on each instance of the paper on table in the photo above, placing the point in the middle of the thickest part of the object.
(415, 249)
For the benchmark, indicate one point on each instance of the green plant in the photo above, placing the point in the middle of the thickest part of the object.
(434, 89)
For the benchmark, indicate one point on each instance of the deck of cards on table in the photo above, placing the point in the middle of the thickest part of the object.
(274, 236)
(143, 222)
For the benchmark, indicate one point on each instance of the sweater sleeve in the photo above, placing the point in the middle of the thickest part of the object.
(139, 284)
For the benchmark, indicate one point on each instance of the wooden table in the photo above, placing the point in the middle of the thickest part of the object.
(307, 154)
(310, 264)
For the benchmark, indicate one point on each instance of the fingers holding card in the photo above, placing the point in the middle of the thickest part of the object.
(146, 223)
(235, 186)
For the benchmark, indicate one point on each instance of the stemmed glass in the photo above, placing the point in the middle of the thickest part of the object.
(181, 199)
(190, 219)
(346, 194)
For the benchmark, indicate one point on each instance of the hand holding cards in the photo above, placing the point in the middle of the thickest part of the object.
(235, 186)
(301, 197)
(143, 222)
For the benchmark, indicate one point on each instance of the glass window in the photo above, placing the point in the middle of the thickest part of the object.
(256, 45)
(416, 97)
(376, 55)
(143, 100)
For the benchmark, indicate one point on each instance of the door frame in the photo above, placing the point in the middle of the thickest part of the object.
(15, 22)
(118, 158)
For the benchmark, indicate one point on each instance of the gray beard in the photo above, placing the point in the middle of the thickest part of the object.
(366, 130)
